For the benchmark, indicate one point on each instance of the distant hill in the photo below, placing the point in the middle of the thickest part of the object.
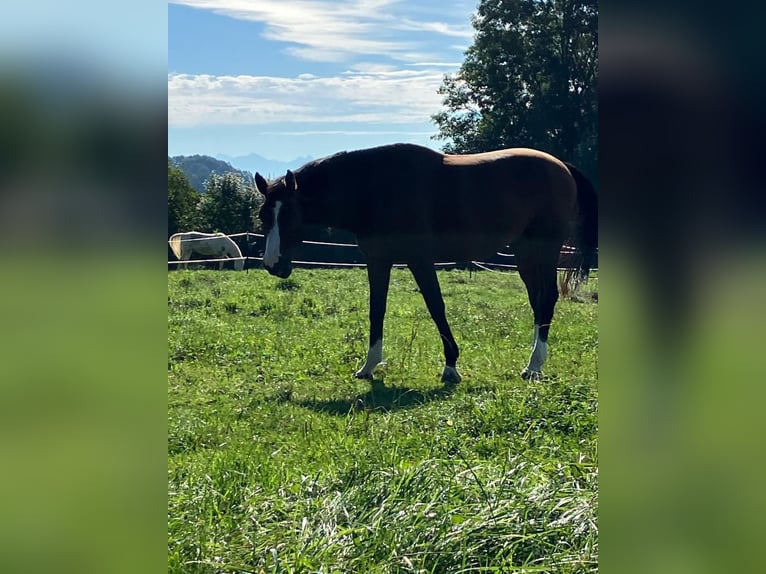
(268, 168)
(197, 169)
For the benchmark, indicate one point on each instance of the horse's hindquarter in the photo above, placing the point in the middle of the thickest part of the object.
(506, 194)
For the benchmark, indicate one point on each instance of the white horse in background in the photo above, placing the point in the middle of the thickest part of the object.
(216, 244)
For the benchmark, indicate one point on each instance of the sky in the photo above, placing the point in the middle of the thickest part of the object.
(288, 79)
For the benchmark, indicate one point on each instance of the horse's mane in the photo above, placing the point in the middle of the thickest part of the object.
(313, 164)
(338, 158)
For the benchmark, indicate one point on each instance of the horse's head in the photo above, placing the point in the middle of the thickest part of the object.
(281, 221)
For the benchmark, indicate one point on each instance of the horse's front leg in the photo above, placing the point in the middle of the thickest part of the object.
(425, 276)
(378, 275)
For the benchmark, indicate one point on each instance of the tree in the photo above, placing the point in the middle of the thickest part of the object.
(228, 205)
(529, 79)
(182, 202)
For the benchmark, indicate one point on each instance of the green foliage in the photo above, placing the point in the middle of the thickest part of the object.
(229, 205)
(182, 202)
(280, 461)
(529, 80)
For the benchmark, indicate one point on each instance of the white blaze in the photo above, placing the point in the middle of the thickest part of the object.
(272, 253)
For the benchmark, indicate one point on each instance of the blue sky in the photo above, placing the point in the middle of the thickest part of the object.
(287, 79)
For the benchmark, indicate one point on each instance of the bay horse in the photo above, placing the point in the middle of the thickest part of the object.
(218, 245)
(411, 204)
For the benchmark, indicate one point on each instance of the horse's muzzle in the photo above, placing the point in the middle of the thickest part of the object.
(282, 269)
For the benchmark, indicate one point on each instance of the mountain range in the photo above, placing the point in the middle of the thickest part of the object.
(268, 168)
(198, 168)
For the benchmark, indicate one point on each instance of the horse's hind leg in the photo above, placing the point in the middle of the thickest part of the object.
(425, 277)
(537, 261)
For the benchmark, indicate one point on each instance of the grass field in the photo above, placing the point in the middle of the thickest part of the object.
(279, 461)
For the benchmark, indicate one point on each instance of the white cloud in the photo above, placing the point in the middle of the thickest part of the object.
(371, 68)
(454, 65)
(336, 30)
(369, 98)
(465, 31)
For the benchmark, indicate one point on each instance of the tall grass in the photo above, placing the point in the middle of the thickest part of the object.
(279, 461)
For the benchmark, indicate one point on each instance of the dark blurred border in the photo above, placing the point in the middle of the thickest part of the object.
(682, 267)
(82, 221)
(82, 298)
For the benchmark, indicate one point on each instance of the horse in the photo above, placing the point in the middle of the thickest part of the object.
(216, 244)
(413, 205)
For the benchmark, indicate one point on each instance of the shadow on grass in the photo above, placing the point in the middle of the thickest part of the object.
(379, 398)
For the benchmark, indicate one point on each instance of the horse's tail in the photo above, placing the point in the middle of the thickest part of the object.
(586, 228)
(175, 245)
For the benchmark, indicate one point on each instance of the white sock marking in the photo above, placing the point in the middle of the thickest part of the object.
(374, 357)
(272, 252)
(539, 353)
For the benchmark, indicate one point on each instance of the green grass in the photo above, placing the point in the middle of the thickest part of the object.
(279, 461)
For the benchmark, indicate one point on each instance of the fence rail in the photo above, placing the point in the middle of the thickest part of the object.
(485, 265)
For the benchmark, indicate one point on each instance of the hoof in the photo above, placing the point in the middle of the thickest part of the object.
(364, 374)
(451, 376)
(527, 375)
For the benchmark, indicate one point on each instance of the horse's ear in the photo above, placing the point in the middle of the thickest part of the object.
(260, 184)
(292, 185)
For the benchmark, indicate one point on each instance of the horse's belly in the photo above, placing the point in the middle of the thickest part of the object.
(466, 248)
(444, 248)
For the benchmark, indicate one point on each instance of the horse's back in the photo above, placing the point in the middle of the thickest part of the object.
(508, 154)
(519, 173)
(196, 235)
